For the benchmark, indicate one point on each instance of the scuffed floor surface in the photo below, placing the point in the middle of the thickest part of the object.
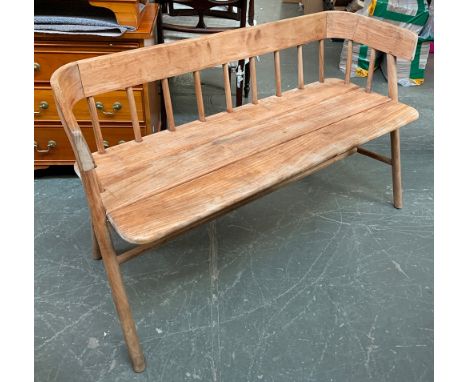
(322, 280)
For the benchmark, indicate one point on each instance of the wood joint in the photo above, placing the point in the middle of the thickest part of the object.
(374, 155)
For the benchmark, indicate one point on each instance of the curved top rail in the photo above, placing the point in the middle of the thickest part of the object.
(120, 70)
(387, 38)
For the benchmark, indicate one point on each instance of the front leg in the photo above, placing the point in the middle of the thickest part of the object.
(119, 296)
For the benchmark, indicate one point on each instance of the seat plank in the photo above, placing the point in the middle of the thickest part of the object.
(114, 165)
(181, 207)
(239, 144)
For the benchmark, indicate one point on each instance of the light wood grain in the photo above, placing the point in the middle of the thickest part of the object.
(96, 126)
(278, 73)
(321, 61)
(168, 104)
(199, 96)
(392, 77)
(190, 136)
(218, 129)
(111, 265)
(218, 152)
(300, 68)
(66, 83)
(227, 88)
(349, 61)
(152, 190)
(207, 51)
(134, 114)
(370, 74)
(253, 80)
(182, 206)
(139, 249)
(382, 36)
(197, 54)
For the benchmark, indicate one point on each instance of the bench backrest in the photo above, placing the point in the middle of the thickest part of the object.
(124, 70)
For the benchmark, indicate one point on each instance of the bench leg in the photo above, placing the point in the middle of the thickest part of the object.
(396, 169)
(95, 245)
(119, 296)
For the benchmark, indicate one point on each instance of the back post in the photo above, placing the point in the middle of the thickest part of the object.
(300, 68)
(253, 80)
(349, 62)
(370, 73)
(278, 73)
(96, 125)
(168, 104)
(321, 56)
(227, 88)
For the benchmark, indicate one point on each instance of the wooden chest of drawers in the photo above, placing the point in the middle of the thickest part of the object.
(51, 145)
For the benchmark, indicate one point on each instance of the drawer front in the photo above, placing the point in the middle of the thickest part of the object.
(112, 106)
(48, 57)
(60, 149)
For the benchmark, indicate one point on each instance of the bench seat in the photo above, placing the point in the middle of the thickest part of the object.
(176, 179)
(160, 185)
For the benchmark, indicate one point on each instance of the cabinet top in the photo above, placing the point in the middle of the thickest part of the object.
(145, 29)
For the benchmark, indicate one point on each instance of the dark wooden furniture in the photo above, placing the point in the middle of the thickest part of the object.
(51, 146)
(241, 11)
(158, 186)
(127, 12)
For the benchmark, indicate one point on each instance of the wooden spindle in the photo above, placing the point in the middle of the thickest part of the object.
(199, 95)
(392, 77)
(370, 74)
(168, 104)
(300, 68)
(134, 114)
(227, 88)
(278, 73)
(322, 60)
(349, 61)
(253, 80)
(96, 126)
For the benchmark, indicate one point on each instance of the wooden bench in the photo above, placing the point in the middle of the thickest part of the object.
(156, 187)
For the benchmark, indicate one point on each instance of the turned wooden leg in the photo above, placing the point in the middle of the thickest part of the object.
(396, 169)
(120, 298)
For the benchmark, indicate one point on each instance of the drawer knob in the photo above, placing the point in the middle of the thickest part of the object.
(115, 107)
(106, 144)
(50, 145)
(37, 66)
(43, 105)
(121, 141)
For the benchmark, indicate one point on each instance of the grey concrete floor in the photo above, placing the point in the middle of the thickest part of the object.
(322, 280)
